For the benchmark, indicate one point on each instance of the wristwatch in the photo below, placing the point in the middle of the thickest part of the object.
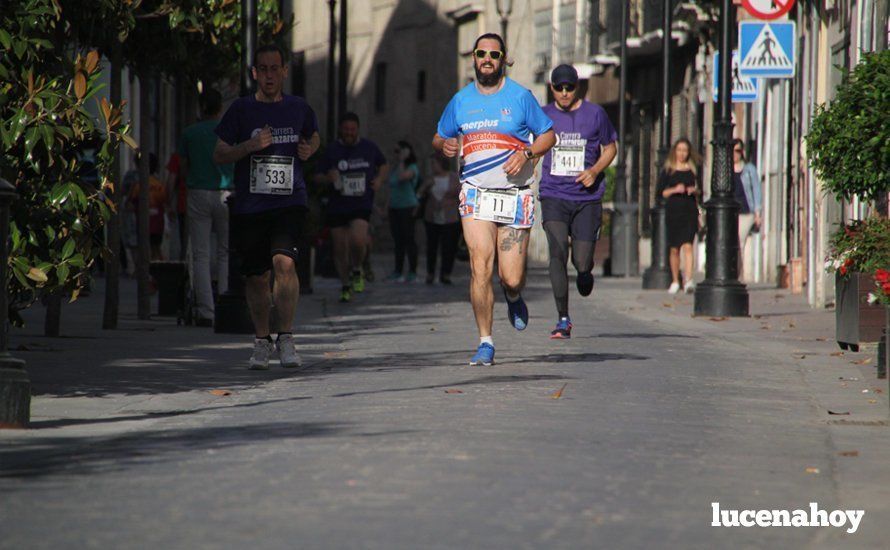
(528, 153)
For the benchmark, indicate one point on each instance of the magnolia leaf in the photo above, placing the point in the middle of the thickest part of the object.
(92, 61)
(129, 141)
(62, 273)
(80, 84)
(68, 249)
(74, 294)
(37, 275)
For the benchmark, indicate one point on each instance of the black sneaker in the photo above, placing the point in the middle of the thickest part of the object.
(585, 283)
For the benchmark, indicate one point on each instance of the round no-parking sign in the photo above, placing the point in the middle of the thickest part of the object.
(767, 9)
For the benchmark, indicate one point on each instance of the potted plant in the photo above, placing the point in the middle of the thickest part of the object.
(859, 253)
(848, 148)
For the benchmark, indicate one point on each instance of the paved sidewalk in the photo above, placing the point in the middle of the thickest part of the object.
(156, 435)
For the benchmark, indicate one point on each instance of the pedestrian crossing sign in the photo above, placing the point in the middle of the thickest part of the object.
(767, 49)
(744, 89)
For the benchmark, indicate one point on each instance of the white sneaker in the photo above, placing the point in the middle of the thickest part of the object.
(262, 351)
(675, 288)
(287, 352)
(689, 287)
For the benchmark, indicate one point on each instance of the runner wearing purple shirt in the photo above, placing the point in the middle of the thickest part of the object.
(355, 169)
(268, 135)
(572, 187)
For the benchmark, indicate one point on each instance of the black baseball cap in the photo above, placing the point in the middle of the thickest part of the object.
(564, 74)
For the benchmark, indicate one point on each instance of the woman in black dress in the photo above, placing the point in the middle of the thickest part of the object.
(678, 185)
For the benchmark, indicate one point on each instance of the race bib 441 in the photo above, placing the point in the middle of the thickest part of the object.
(567, 161)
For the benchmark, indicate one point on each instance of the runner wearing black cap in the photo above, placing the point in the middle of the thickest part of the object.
(572, 187)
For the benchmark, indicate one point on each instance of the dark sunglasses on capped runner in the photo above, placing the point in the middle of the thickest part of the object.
(565, 88)
(494, 54)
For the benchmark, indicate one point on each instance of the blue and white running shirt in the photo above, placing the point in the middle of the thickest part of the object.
(493, 127)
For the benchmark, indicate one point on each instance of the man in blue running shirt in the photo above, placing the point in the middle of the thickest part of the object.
(490, 123)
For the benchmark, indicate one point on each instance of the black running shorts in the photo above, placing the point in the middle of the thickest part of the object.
(258, 237)
(583, 218)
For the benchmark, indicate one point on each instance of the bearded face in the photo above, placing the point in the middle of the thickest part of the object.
(489, 71)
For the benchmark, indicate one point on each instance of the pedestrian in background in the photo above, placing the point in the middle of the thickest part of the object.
(441, 218)
(746, 188)
(157, 204)
(176, 207)
(403, 181)
(678, 184)
(208, 215)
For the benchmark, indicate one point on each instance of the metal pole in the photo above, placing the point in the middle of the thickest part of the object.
(344, 62)
(248, 43)
(332, 78)
(721, 293)
(231, 315)
(15, 387)
(624, 235)
(658, 276)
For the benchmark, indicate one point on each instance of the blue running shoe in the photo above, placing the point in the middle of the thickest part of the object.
(484, 355)
(517, 312)
(563, 330)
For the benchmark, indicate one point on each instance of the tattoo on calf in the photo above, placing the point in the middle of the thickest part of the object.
(511, 237)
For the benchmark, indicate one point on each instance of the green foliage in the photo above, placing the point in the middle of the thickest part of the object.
(863, 247)
(44, 126)
(849, 139)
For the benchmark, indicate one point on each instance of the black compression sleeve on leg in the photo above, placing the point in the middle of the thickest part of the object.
(582, 255)
(558, 243)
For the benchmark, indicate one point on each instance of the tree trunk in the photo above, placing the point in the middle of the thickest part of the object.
(53, 320)
(143, 255)
(113, 265)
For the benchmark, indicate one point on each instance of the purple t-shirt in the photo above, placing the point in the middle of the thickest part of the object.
(358, 166)
(579, 135)
(289, 119)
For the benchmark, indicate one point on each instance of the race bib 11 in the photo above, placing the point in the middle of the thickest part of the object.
(496, 205)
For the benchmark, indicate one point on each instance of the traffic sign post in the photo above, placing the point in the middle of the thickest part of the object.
(767, 50)
(744, 89)
(767, 9)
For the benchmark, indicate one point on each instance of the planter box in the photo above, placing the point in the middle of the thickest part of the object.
(856, 321)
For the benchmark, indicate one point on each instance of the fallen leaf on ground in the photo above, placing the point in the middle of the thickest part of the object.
(872, 401)
(843, 384)
(756, 316)
(717, 319)
(221, 392)
(667, 304)
(836, 354)
(801, 356)
(778, 296)
(849, 453)
(877, 390)
(865, 361)
(812, 470)
(838, 413)
(791, 324)
(335, 354)
(851, 379)
(765, 327)
(558, 393)
(821, 339)
(453, 391)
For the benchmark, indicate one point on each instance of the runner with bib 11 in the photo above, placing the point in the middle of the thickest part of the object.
(490, 123)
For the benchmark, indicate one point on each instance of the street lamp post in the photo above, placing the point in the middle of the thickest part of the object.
(624, 236)
(332, 79)
(231, 315)
(658, 276)
(721, 293)
(15, 387)
(344, 63)
(505, 8)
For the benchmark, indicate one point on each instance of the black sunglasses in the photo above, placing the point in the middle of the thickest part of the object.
(494, 54)
(565, 88)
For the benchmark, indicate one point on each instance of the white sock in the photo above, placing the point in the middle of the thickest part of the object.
(486, 340)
